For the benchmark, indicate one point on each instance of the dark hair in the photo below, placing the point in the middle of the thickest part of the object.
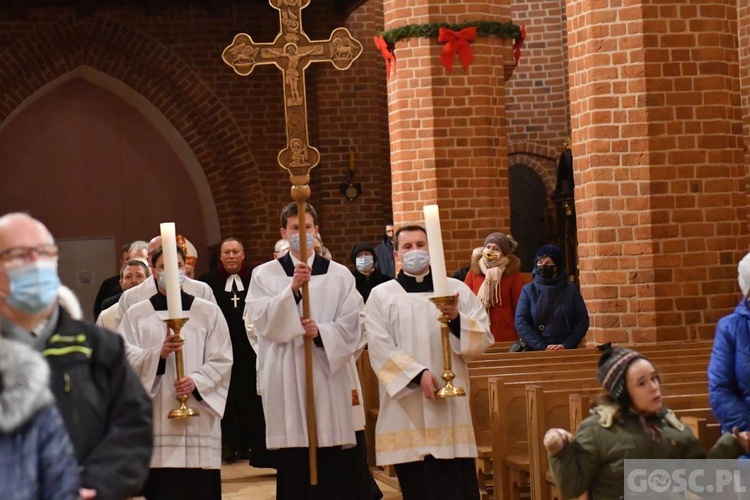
(134, 262)
(409, 228)
(159, 251)
(231, 239)
(291, 211)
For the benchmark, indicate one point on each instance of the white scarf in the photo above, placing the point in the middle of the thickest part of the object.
(234, 278)
(489, 291)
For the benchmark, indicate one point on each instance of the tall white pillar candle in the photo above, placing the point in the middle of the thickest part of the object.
(169, 247)
(437, 257)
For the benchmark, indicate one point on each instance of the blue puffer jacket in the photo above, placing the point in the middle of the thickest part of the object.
(567, 325)
(729, 370)
(36, 456)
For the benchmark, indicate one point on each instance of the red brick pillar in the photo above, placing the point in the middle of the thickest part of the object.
(447, 129)
(658, 148)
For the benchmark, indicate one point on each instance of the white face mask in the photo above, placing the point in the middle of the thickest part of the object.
(416, 261)
(364, 263)
(294, 242)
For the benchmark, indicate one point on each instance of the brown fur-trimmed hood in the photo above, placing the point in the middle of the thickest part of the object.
(514, 265)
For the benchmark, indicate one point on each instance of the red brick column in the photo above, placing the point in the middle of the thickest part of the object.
(657, 141)
(447, 130)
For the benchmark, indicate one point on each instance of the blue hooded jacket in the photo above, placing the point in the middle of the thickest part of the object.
(729, 370)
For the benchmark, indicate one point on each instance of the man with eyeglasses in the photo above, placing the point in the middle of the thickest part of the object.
(106, 411)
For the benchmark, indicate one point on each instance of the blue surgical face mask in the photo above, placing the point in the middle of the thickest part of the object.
(416, 261)
(294, 242)
(163, 278)
(33, 287)
(364, 263)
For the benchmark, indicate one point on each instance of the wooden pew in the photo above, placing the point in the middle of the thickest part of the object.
(502, 347)
(590, 355)
(551, 408)
(508, 420)
(692, 409)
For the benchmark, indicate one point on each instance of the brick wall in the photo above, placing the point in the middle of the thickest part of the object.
(234, 125)
(657, 139)
(537, 94)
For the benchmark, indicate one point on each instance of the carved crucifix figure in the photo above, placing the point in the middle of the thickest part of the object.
(292, 52)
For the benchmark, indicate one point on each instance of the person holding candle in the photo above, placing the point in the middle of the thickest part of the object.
(495, 276)
(186, 462)
(430, 441)
(274, 308)
(551, 314)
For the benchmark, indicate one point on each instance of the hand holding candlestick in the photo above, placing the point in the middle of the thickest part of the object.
(443, 300)
(174, 310)
(183, 411)
(449, 390)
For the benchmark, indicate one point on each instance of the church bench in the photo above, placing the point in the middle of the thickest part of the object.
(551, 408)
(508, 416)
(586, 366)
(699, 419)
(503, 359)
(503, 347)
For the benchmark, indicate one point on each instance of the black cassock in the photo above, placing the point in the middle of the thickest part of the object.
(243, 426)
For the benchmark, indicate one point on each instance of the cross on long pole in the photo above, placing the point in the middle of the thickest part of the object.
(292, 52)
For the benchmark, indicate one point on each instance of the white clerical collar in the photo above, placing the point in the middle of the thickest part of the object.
(296, 261)
(234, 278)
(419, 277)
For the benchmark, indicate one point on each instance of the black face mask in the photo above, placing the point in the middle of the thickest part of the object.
(546, 271)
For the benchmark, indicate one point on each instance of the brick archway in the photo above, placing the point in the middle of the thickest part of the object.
(161, 77)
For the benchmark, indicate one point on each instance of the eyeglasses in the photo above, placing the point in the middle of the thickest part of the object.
(19, 255)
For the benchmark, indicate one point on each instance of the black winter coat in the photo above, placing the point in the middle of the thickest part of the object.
(104, 406)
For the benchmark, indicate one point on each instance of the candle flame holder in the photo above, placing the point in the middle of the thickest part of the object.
(183, 411)
(449, 391)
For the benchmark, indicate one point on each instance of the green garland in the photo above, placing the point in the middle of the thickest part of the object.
(484, 28)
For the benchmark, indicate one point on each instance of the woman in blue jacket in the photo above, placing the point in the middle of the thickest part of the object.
(551, 314)
(729, 368)
(36, 456)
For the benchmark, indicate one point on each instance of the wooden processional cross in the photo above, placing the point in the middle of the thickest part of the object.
(292, 52)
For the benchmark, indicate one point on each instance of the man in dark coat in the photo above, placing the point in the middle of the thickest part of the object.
(385, 261)
(243, 428)
(105, 409)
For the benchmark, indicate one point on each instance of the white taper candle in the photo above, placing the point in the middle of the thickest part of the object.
(169, 246)
(437, 257)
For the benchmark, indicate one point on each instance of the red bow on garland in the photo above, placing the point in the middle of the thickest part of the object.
(390, 58)
(457, 43)
(518, 44)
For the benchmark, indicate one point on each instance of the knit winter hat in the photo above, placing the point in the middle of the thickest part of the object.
(612, 367)
(743, 274)
(554, 253)
(506, 242)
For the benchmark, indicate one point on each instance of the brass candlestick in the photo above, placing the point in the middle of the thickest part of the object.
(184, 411)
(449, 391)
